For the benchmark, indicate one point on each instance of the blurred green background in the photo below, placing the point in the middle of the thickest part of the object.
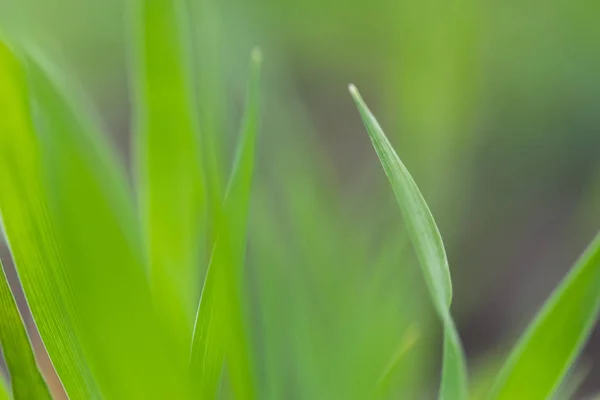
(493, 105)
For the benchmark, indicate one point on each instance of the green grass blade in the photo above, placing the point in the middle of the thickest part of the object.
(220, 332)
(429, 248)
(4, 395)
(127, 346)
(29, 230)
(168, 161)
(27, 381)
(542, 358)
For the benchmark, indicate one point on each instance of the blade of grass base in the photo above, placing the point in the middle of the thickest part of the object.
(30, 233)
(26, 380)
(429, 248)
(542, 358)
(220, 331)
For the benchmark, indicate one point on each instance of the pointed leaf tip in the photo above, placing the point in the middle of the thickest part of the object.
(256, 55)
(354, 92)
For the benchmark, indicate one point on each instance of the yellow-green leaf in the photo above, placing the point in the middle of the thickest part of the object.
(30, 231)
(128, 347)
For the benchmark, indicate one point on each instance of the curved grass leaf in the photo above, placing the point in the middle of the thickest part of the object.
(30, 231)
(429, 248)
(542, 358)
(26, 380)
(168, 162)
(220, 333)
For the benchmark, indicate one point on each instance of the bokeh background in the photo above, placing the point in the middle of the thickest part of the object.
(494, 106)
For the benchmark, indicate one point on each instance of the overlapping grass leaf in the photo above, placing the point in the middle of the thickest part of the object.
(29, 229)
(128, 347)
(220, 332)
(26, 380)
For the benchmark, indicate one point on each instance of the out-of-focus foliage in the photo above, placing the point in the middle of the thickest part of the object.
(493, 106)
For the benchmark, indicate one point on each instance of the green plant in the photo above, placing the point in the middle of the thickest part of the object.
(113, 298)
(540, 361)
(110, 275)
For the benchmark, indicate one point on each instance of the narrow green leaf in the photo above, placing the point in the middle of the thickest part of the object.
(429, 248)
(27, 381)
(168, 162)
(220, 331)
(29, 230)
(129, 350)
(545, 353)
